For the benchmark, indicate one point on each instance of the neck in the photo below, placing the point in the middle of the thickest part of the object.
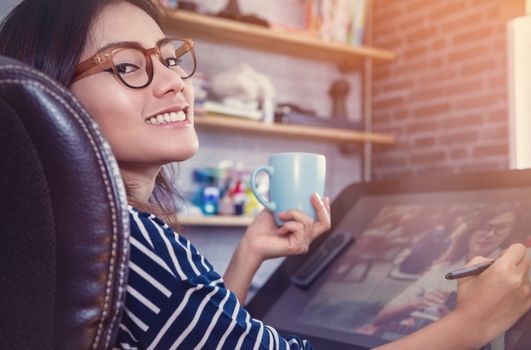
(140, 180)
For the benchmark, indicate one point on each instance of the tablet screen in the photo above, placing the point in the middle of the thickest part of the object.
(391, 282)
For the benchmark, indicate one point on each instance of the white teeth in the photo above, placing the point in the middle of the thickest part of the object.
(181, 116)
(167, 118)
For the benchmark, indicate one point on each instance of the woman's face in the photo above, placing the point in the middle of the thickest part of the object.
(491, 234)
(121, 112)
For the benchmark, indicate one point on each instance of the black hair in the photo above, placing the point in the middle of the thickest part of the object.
(50, 35)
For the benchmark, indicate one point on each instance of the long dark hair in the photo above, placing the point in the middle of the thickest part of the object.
(50, 35)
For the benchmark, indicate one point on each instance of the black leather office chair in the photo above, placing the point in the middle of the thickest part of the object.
(64, 226)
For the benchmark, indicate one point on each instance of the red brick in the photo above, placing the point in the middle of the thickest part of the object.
(424, 142)
(498, 116)
(439, 44)
(461, 137)
(388, 103)
(414, 68)
(402, 84)
(491, 150)
(427, 94)
(421, 34)
(450, 9)
(477, 68)
(415, 53)
(438, 75)
(463, 121)
(468, 20)
(459, 153)
(381, 73)
(477, 102)
(465, 87)
(422, 126)
(479, 167)
(473, 36)
(431, 110)
(401, 114)
(390, 161)
(417, 6)
(461, 55)
(430, 157)
(499, 133)
(499, 81)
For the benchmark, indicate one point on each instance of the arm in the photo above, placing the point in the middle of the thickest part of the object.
(452, 332)
(483, 311)
(264, 240)
(240, 272)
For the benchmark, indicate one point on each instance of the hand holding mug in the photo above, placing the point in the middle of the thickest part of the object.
(296, 205)
(293, 179)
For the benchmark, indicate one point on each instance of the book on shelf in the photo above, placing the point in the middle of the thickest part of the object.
(220, 108)
(341, 21)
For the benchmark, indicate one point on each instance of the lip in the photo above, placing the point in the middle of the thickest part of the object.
(171, 125)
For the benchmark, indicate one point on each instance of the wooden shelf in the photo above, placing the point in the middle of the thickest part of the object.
(215, 220)
(233, 124)
(210, 28)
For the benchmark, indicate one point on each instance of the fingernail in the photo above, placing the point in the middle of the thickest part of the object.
(317, 195)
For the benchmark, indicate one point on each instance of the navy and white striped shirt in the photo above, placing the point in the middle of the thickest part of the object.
(175, 299)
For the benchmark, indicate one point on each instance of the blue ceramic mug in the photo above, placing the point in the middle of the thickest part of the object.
(293, 178)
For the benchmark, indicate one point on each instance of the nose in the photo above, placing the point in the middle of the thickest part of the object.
(165, 80)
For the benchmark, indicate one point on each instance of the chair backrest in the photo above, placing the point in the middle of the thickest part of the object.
(64, 226)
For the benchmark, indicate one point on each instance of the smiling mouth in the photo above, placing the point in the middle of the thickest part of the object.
(169, 117)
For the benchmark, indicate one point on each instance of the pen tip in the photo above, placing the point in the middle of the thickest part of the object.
(449, 276)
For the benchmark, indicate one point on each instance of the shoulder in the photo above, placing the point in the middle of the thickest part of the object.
(151, 237)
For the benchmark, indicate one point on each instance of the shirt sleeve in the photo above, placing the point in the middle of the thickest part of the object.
(175, 299)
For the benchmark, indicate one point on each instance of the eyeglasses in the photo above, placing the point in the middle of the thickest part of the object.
(499, 229)
(133, 64)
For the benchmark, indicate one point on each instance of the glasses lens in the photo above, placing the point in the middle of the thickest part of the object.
(177, 55)
(130, 65)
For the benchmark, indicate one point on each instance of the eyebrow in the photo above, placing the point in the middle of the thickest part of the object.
(116, 43)
(121, 43)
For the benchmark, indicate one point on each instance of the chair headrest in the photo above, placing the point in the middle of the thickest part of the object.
(64, 224)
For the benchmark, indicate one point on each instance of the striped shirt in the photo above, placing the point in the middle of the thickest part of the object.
(175, 299)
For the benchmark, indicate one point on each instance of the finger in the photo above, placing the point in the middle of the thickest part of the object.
(296, 215)
(292, 227)
(282, 230)
(323, 215)
(523, 268)
(477, 260)
(514, 255)
(327, 203)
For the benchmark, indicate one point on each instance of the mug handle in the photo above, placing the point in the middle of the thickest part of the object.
(271, 206)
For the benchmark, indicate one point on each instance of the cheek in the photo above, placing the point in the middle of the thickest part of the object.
(110, 107)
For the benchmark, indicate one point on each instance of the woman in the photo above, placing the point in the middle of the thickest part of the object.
(139, 93)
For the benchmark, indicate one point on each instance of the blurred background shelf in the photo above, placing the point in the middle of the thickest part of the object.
(232, 124)
(215, 220)
(190, 24)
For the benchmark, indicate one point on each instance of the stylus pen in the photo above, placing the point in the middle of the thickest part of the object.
(471, 270)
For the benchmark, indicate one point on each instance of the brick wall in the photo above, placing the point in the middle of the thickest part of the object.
(445, 96)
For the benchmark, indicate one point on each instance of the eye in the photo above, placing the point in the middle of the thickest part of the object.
(172, 62)
(124, 68)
